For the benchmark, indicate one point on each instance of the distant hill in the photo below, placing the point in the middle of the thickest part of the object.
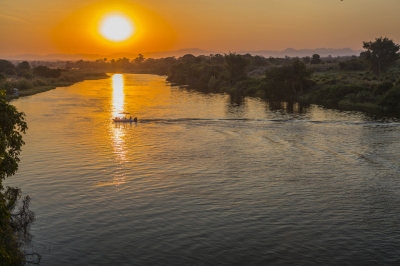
(324, 52)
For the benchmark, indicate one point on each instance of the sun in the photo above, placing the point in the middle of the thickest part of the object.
(116, 28)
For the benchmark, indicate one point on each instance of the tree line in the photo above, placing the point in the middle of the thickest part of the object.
(274, 78)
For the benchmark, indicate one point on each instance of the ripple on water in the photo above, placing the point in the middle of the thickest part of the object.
(202, 181)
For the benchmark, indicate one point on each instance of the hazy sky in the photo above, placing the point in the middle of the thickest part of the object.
(70, 26)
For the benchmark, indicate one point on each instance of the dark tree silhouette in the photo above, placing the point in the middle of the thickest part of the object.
(380, 54)
(23, 65)
(315, 59)
(139, 59)
(4, 64)
(236, 66)
(14, 224)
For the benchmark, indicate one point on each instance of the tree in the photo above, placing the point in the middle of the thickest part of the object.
(44, 71)
(10, 71)
(306, 59)
(139, 59)
(288, 80)
(23, 65)
(14, 225)
(4, 64)
(315, 59)
(380, 54)
(236, 65)
(25, 74)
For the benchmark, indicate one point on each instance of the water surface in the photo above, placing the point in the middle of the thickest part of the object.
(202, 179)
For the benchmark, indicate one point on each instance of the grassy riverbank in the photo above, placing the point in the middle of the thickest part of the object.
(36, 85)
(326, 83)
(358, 90)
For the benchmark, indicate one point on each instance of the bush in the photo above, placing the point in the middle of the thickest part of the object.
(39, 82)
(47, 72)
(353, 64)
(391, 99)
(23, 84)
(25, 74)
(382, 88)
(10, 71)
(361, 97)
(335, 93)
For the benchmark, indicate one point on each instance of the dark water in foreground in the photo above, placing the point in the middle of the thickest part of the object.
(201, 180)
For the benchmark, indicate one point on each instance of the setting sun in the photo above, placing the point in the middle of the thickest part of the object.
(116, 28)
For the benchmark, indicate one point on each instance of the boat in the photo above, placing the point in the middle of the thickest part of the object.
(125, 120)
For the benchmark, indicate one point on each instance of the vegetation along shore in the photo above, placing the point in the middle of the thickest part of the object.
(370, 81)
(21, 79)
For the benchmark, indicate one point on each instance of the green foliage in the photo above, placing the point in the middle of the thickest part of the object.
(23, 66)
(306, 60)
(14, 224)
(361, 97)
(353, 64)
(10, 71)
(288, 80)
(4, 64)
(21, 84)
(391, 99)
(380, 54)
(199, 74)
(382, 88)
(27, 74)
(12, 126)
(14, 228)
(44, 71)
(335, 93)
(236, 66)
(39, 82)
(315, 59)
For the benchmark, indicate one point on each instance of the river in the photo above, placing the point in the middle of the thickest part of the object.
(202, 179)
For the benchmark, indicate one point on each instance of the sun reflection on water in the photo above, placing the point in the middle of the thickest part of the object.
(118, 94)
(117, 130)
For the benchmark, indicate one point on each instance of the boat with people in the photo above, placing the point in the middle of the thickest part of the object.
(125, 119)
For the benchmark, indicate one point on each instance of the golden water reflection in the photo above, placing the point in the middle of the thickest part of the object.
(118, 98)
(118, 132)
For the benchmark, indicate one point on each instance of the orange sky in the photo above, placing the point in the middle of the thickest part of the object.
(48, 26)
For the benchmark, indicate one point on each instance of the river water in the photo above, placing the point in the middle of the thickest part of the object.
(202, 179)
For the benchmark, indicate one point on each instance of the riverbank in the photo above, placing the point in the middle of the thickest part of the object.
(328, 84)
(37, 85)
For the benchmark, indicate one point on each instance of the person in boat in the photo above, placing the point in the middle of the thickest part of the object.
(135, 119)
(130, 118)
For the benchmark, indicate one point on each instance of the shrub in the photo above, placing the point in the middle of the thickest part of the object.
(383, 87)
(10, 71)
(361, 97)
(23, 84)
(391, 98)
(25, 74)
(39, 82)
(335, 93)
(353, 64)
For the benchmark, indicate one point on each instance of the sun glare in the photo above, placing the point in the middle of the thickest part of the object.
(116, 28)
